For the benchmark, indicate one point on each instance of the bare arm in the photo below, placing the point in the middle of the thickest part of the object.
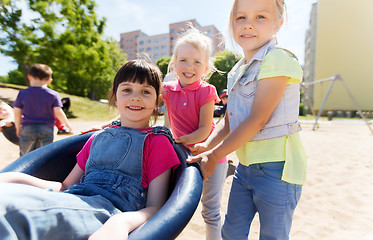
(61, 116)
(17, 119)
(22, 178)
(120, 225)
(206, 115)
(104, 125)
(268, 95)
(219, 134)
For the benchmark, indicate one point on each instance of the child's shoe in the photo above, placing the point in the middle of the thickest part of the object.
(64, 132)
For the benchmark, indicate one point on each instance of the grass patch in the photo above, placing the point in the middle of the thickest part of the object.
(81, 108)
(85, 109)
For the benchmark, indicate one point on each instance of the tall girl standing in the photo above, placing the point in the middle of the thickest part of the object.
(261, 124)
(190, 103)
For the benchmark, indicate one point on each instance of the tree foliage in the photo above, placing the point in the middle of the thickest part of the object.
(67, 36)
(224, 62)
(162, 63)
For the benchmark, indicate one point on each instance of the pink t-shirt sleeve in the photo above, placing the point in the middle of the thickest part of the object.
(82, 156)
(159, 156)
(208, 94)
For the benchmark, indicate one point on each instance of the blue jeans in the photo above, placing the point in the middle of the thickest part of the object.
(28, 212)
(34, 136)
(259, 188)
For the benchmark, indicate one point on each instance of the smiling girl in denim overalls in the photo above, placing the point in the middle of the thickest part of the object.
(120, 180)
(261, 124)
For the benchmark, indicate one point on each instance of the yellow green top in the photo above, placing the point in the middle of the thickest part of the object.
(289, 148)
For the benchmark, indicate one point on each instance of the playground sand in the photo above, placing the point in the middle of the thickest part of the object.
(336, 202)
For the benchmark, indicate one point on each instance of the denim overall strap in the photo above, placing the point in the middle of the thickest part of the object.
(164, 131)
(114, 168)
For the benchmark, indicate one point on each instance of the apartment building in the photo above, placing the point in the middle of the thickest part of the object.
(339, 41)
(138, 44)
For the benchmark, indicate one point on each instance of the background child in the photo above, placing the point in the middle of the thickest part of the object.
(261, 124)
(219, 112)
(39, 106)
(8, 128)
(190, 104)
(126, 173)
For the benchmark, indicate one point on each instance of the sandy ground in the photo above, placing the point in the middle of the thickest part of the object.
(336, 202)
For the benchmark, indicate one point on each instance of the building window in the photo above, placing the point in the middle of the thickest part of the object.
(164, 54)
(141, 42)
(156, 40)
(164, 39)
(156, 48)
(122, 40)
(148, 49)
(149, 41)
(164, 47)
(156, 56)
(172, 30)
(141, 50)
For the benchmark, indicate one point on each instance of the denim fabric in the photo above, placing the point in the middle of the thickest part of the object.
(259, 188)
(116, 177)
(34, 136)
(32, 213)
(211, 196)
(242, 85)
(113, 173)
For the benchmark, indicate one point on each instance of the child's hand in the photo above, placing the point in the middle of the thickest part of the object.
(207, 164)
(92, 129)
(198, 148)
(182, 139)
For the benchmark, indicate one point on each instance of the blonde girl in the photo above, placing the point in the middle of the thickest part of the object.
(261, 125)
(190, 104)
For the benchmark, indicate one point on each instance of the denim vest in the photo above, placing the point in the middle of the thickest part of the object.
(114, 167)
(242, 84)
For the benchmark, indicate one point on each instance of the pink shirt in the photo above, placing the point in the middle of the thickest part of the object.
(184, 104)
(158, 156)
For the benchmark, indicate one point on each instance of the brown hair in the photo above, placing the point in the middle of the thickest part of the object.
(138, 71)
(41, 71)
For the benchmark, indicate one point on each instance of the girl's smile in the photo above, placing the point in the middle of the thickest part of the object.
(136, 103)
(190, 64)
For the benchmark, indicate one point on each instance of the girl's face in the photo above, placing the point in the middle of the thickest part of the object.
(255, 22)
(136, 103)
(190, 65)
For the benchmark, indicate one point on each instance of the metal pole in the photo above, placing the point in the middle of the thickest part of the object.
(323, 103)
(339, 77)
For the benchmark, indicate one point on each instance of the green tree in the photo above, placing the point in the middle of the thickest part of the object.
(16, 77)
(66, 35)
(224, 62)
(162, 63)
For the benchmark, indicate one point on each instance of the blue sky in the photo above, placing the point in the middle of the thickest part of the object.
(153, 17)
